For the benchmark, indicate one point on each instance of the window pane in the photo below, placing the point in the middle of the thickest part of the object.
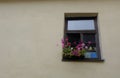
(81, 25)
(74, 37)
(89, 37)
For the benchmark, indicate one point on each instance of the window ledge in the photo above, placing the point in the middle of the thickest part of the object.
(83, 60)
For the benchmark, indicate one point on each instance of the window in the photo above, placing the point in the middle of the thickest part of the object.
(82, 27)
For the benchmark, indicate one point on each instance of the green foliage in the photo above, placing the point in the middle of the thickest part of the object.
(67, 49)
(83, 51)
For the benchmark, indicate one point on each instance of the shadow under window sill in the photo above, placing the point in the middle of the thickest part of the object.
(82, 60)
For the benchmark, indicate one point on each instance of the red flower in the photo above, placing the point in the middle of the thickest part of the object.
(69, 44)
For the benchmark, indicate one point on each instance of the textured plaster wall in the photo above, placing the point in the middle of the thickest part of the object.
(30, 39)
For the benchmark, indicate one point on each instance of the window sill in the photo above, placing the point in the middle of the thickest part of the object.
(83, 60)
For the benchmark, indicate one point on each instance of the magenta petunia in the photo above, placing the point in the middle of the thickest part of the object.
(69, 44)
(75, 53)
(89, 42)
(63, 43)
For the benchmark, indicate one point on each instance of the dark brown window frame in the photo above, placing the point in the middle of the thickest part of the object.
(93, 17)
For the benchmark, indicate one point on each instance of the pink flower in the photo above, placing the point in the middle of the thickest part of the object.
(69, 44)
(75, 53)
(79, 45)
(89, 42)
(83, 44)
(78, 48)
(86, 47)
(66, 39)
(62, 41)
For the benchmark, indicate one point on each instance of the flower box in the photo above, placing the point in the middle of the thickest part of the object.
(75, 50)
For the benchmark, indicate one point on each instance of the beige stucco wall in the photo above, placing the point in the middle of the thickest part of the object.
(30, 39)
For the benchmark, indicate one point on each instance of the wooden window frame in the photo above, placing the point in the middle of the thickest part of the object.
(96, 32)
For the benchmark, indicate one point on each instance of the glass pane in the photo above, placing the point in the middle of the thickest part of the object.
(81, 25)
(89, 37)
(74, 37)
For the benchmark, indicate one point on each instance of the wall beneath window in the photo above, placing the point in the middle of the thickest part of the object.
(31, 33)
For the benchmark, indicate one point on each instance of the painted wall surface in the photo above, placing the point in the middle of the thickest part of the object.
(31, 33)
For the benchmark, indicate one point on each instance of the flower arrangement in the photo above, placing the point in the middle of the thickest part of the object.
(78, 50)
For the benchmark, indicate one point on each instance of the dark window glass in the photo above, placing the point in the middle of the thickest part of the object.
(89, 37)
(74, 37)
